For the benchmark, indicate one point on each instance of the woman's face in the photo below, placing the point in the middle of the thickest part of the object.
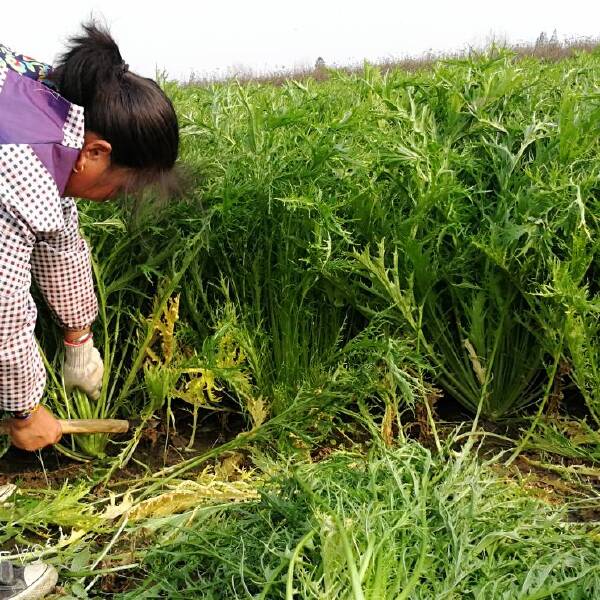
(93, 178)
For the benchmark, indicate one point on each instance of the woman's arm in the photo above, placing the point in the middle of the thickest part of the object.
(22, 374)
(60, 264)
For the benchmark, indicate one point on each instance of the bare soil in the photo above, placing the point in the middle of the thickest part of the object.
(157, 449)
(544, 475)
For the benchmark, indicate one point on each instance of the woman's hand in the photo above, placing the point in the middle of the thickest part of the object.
(41, 429)
(83, 366)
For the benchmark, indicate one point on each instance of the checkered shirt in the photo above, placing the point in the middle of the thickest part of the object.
(39, 236)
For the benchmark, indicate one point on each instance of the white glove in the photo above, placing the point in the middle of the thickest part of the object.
(83, 368)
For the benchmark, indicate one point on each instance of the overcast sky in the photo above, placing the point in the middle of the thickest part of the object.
(223, 36)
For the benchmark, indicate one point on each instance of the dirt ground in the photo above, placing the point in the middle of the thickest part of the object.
(156, 450)
(544, 475)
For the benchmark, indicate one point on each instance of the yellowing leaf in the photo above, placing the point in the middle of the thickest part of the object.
(164, 328)
(258, 410)
(114, 510)
(189, 494)
(200, 389)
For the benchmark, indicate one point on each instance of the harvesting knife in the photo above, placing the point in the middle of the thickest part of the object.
(84, 426)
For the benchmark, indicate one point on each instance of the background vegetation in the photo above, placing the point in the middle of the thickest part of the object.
(354, 256)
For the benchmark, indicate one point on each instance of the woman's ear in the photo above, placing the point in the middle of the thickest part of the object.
(95, 150)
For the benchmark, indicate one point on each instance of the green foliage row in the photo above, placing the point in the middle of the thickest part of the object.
(391, 524)
(435, 229)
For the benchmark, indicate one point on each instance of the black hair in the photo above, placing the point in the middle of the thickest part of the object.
(129, 111)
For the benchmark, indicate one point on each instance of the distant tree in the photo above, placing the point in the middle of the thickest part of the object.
(320, 63)
(554, 39)
(542, 39)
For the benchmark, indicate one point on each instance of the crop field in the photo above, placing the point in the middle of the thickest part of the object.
(361, 351)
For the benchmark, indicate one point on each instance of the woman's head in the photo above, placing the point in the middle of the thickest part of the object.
(132, 135)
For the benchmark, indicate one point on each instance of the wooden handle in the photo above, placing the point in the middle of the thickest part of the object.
(85, 426)
(94, 425)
